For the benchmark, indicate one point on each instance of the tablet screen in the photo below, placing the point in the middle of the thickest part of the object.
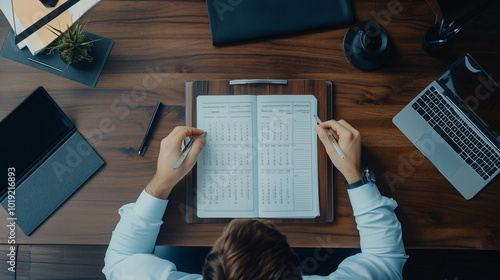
(31, 130)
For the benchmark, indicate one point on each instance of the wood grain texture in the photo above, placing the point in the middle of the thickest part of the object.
(161, 44)
(55, 262)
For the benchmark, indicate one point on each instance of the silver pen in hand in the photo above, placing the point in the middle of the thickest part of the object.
(186, 150)
(334, 141)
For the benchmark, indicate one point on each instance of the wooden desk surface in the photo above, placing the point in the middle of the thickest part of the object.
(160, 44)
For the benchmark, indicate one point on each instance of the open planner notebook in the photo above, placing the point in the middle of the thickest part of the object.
(260, 159)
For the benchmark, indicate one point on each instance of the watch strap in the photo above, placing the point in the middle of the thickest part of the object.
(367, 177)
(356, 184)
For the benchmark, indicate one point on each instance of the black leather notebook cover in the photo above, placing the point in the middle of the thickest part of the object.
(238, 20)
(48, 156)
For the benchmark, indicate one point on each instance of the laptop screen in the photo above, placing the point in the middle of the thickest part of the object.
(28, 132)
(478, 92)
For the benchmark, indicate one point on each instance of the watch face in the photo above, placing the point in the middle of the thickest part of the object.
(369, 173)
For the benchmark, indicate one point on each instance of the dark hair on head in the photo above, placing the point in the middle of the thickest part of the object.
(252, 249)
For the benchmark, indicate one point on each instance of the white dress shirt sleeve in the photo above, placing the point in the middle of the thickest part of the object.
(382, 251)
(130, 252)
(129, 255)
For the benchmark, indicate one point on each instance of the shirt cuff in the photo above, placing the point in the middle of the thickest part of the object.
(150, 207)
(363, 197)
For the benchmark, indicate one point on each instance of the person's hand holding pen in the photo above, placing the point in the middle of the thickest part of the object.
(349, 141)
(170, 151)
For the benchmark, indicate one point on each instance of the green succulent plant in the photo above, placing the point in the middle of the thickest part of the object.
(72, 44)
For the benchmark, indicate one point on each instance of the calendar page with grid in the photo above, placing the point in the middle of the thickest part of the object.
(260, 159)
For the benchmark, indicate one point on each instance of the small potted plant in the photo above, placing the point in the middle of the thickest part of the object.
(73, 46)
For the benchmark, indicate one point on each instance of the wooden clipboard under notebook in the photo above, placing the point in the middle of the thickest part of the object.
(322, 91)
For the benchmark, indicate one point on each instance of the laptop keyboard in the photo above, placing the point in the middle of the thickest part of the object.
(432, 107)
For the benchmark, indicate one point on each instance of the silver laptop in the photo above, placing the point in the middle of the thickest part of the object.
(455, 122)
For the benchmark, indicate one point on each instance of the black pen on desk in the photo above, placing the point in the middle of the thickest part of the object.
(144, 144)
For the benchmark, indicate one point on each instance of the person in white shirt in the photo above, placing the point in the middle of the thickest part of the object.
(254, 249)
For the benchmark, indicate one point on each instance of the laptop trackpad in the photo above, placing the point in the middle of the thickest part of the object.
(435, 148)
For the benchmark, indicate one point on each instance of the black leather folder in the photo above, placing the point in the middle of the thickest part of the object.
(44, 156)
(236, 20)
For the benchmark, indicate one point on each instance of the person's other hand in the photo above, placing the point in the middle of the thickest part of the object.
(349, 141)
(170, 151)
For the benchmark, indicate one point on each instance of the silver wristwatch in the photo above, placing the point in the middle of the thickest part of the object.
(368, 176)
